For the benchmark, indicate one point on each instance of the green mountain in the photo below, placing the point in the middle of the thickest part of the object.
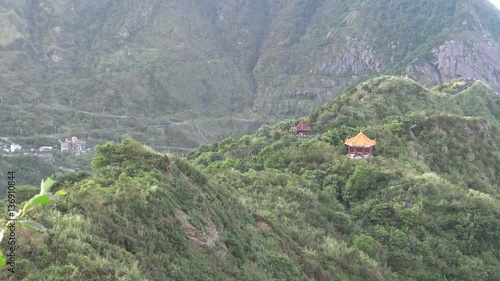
(148, 216)
(425, 207)
(270, 206)
(176, 74)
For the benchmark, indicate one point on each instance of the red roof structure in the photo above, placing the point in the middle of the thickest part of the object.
(302, 127)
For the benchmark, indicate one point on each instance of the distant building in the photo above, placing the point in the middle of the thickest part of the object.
(14, 147)
(73, 146)
(45, 148)
(302, 129)
(4, 146)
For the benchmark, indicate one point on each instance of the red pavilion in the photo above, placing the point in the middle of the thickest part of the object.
(302, 129)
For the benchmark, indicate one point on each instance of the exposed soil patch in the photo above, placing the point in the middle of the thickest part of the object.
(264, 226)
(196, 236)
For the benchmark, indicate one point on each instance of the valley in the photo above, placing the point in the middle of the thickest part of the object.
(250, 140)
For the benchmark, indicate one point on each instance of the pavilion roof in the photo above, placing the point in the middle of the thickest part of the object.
(302, 127)
(360, 140)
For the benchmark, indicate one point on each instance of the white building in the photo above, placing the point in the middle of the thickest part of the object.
(14, 147)
(73, 146)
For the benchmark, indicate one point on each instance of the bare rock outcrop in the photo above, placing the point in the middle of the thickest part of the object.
(355, 59)
(484, 130)
(460, 59)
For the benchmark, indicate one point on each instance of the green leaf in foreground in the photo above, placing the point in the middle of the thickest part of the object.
(37, 200)
(45, 186)
(3, 260)
(41, 199)
(32, 224)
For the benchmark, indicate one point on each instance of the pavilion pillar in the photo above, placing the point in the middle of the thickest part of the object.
(348, 150)
(355, 151)
(370, 150)
(363, 152)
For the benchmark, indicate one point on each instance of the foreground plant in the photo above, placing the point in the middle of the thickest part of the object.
(18, 218)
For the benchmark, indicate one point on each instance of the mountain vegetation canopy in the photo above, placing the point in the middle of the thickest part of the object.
(248, 200)
(270, 206)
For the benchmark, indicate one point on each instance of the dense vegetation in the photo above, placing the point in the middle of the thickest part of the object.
(30, 169)
(32, 166)
(147, 216)
(270, 206)
(426, 206)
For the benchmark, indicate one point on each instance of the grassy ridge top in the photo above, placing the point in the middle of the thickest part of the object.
(387, 96)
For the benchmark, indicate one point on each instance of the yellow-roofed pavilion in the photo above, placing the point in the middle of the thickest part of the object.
(359, 141)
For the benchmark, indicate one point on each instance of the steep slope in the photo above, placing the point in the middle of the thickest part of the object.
(400, 212)
(455, 128)
(426, 205)
(271, 206)
(341, 43)
(30, 169)
(104, 65)
(147, 216)
(386, 96)
(157, 70)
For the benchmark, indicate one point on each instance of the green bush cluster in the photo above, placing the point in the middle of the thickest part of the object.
(122, 222)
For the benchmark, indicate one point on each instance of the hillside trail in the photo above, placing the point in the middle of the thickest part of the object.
(171, 123)
(462, 88)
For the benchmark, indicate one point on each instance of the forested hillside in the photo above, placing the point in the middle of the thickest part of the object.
(147, 216)
(271, 206)
(176, 74)
(425, 206)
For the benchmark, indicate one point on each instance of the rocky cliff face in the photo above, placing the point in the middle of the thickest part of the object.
(431, 43)
(460, 59)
